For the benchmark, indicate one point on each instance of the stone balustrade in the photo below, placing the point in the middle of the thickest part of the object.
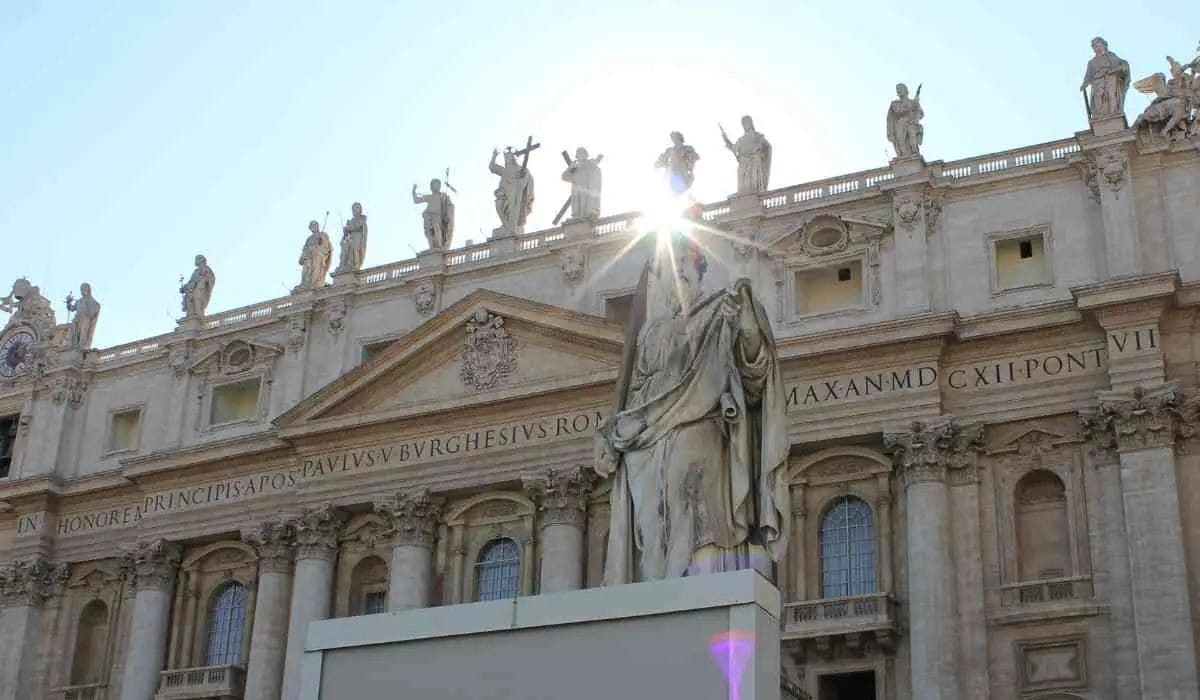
(86, 691)
(202, 682)
(1008, 160)
(809, 192)
(1051, 590)
(836, 616)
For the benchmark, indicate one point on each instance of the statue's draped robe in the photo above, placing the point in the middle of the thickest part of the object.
(87, 310)
(354, 244)
(439, 220)
(585, 179)
(514, 195)
(199, 291)
(314, 261)
(701, 444)
(753, 153)
(904, 129)
(1108, 76)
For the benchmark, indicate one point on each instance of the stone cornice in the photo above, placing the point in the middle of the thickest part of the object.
(275, 542)
(928, 325)
(1124, 290)
(31, 582)
(411, 518)
(316, 530)
(1143, 419)
(929, 452)
(152, 564)
(1028, 317)
(259, 443)
(561, 495)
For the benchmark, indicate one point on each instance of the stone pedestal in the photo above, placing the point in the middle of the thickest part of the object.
(561, 498)
(578, 228)
(411, 523)
(689, 638)
(264, 668)
(312, 589)
(24, 588)
(431, 260)
(154, 566)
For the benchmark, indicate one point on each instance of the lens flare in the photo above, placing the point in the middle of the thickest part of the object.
(731, 651)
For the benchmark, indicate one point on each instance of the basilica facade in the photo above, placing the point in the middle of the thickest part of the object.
(991, 371)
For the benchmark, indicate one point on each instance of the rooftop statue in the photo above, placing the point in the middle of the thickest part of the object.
(904, 117)
(354, 241)
(679, 161)
(86, 310)
(753, 153)
(27, 305)
(1107, 75)
(514, 193)
(1176, 100)
(315, 258)
(586, 181)
(197, 291)
(697, 446)
(438, 216)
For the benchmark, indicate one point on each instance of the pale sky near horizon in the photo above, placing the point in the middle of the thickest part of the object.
(137, 134)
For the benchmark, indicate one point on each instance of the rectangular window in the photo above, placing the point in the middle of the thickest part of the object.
(374, 602)
(373, 349)
(616, 310)
(1020, 261)
(8, 442)
(235, 402)
(123, 430)
(827, 289)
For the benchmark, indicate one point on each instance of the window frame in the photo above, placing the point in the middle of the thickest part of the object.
(109, 449)
(870, 539)
(993, 240)
(211, 395)
(211, 620)
(516, 563)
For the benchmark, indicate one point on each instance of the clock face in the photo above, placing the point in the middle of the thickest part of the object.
(16, 354)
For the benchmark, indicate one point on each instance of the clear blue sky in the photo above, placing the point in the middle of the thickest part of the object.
(137, 134)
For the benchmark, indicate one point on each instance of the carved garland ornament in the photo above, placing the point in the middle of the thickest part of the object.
(489, 355)
(931, 453)
(425, 298)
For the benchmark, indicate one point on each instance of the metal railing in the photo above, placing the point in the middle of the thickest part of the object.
(1048, 590)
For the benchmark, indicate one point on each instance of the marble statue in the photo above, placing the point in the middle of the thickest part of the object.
(86, 310)
(197, 291)
(514, 193)
(753, 154)
(27, 305)
(1176, 99)
(438, 215)
(584, 175)
(697, 446)
(679, 161)
(354, 241)
(904, 128)
(315, 258)
(1108, 77)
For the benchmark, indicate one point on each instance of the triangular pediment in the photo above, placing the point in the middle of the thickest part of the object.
(484, 348)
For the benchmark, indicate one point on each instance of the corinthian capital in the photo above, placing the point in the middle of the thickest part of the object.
(411, 517)
(316, 531)
(1140, 420)
(561, 494)
(275, 542)
(30, 582)
(152, 565)
(929, 453)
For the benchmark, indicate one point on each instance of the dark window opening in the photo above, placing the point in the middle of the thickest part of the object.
(1026, 249)
(844, 274)
(8, 441)
(848, 686)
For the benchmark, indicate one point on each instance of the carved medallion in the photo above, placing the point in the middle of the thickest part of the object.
(490, 353)
(425, 298)
(572, 261)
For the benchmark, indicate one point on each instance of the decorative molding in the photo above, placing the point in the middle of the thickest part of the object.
(908, 210)
(297, 330)
(932, 205)
(1143, 419)
(337, 308)
(316, 531)
(411, 518)
(31, 582)
(275, 543)
(935, 453)
(573, 262)
(1088, 172)
(425, 298)
(1110, 166)
(152, 565)
(489, 354)
(69, 388)
(561, 495)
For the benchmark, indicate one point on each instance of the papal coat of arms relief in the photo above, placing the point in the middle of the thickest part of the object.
(490, 353)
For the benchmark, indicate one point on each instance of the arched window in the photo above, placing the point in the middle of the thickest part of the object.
(498, 571)
(91, 637)
(369, 587)
(847, 549)
(226, 626)
(1043, 533)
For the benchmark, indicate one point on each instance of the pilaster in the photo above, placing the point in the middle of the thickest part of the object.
(152, 567)
(910, 233)
(25, 586)
(1106, 162)
(411, 521)
(561, 496)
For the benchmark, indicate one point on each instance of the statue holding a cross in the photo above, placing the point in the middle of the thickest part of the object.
(514, 194)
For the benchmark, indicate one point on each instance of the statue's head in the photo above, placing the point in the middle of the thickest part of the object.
(676, 138)
(21, 288)
(435, 185)
(85, 289)
(747, 123)
(681, 268)
(1099, 45)
(356, 208)
(902, 91)
(201, 260)
(314, 226)
(581, 153)
(509, 157)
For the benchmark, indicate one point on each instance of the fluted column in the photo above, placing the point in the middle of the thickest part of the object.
(411, 521)
(24, 588)
(923, 456)
(316, 531)
(561, 497)
(153, 567)
(1142, 428)
(274, 541)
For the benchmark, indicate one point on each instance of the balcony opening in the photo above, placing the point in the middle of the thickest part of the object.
(847, 686)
